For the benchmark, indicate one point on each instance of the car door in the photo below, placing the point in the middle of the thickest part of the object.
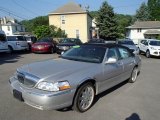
(142, 45)
(112, 73)
(128, 61)
(22, 41)
(145, 45)
(3, 43)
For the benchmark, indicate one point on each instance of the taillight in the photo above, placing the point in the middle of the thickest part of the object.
(17, 43)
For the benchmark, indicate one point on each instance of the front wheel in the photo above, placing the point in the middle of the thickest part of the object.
(84, 97)
(148, 54)
(134, 75)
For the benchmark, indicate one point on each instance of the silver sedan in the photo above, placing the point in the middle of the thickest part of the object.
(75, 78)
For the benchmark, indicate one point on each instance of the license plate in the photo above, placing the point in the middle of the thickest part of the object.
(17, 95)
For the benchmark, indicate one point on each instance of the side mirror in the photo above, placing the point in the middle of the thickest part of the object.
(111, 61)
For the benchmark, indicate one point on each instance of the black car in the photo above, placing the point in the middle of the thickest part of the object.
(100, 41)
(67, 43)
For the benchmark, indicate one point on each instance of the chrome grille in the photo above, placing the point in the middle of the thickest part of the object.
(23, 79)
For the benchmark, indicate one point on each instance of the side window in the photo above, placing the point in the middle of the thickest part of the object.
(146, 42)
(112, 53)
(11, 38)
(124, 53)
(142, 41)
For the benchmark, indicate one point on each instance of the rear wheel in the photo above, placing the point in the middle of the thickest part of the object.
(148, 54)
(84, 97)
(134, 75)
(52, 50)
(10, 49)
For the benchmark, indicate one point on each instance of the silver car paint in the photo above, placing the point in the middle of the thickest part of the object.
(105, 75)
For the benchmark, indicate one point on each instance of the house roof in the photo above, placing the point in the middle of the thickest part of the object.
(145, 24)
(69, 8)
(152, 32)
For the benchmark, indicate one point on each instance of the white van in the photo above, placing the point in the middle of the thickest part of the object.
(3, 42)
(17, 43)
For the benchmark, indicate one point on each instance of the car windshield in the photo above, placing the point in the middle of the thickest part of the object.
(155, 43)
(45, 40)
(67, 40)
(85, 53)
(126, 42)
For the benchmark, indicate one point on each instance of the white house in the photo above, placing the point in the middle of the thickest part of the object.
(144, 29)
(10, 26)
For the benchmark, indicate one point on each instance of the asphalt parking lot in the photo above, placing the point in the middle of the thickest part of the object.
(138, 101)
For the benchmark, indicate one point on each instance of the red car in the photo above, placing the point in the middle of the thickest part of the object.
(45, 45)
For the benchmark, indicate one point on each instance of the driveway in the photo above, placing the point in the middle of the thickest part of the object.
(138, 101)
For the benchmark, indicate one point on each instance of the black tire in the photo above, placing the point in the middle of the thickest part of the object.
(148, 54)
(134, 75)
(10, 49)
(52, 50)
(84, 97)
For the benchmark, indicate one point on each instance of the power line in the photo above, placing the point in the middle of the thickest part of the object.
(15, 2)
(4, 10)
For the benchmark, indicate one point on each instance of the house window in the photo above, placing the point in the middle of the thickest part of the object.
(139, 30)
(77, 33)
(8, 27)
(21, 28)
(16, 28)
(63, 21)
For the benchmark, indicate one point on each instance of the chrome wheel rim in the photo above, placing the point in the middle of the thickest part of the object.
(86, 97)
(147, 54)
(134, 75)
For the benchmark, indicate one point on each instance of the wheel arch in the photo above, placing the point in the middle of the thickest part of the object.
(89, 80)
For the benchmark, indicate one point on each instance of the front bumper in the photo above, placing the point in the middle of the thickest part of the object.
(43, 100)
(155, 52)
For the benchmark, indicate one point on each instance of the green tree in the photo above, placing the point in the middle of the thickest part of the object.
(106, 22)
(142, 14)
(42, 31)
(154, 9)
(48, 31)
(30, 25)
(123, 21)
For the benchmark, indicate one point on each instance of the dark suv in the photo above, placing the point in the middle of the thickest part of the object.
(67, 43)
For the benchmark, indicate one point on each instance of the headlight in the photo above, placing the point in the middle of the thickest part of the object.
(53, 87)
(153, 48)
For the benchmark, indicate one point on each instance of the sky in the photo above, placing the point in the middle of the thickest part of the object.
(28, 9)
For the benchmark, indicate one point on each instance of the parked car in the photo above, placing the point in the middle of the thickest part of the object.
(3, 42)
(95, 40)
(44, 45)
(100, 41)
(76, 77)
(30, 40)
(130, 44)
(17, 43)
(66, 43)
(151, 47)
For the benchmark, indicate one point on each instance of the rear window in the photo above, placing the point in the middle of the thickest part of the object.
(2, 37)
(16, 38)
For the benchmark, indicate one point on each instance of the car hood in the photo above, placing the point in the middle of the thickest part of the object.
(156, 47)
(56, 69)
(66, 44)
